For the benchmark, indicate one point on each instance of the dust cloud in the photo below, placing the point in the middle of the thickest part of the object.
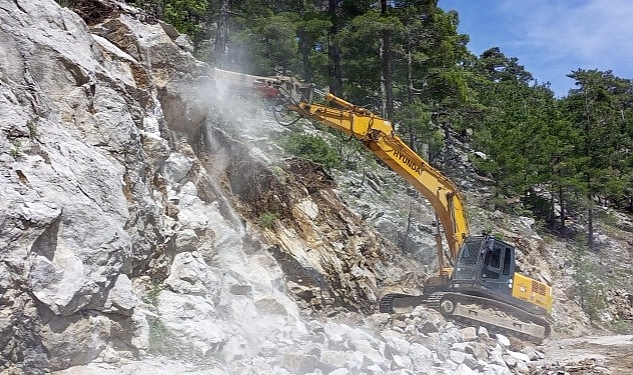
(240, 107)
(239, 113)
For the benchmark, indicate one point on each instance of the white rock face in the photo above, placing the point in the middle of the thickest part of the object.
(99, 186)
(63, 210)
(190, 275)
(78, 215)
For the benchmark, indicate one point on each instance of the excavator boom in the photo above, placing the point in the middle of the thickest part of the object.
(378, 135)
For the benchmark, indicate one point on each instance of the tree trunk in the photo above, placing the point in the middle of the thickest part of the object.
(334, 55)
(409, 69)
(305, 55)
(220, 47)
(590, 243)
(305, 46)
(561, 199)
(588, 176)
(410, 93)
(386, 76)
(413, 139)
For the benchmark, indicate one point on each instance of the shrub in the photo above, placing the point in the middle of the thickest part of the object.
(151, 297)
(268, 219)
(16, 150)
(590, 291)
(159, 338)
(32, 126)
(312, 148)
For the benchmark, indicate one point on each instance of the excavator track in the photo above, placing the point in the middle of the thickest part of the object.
(494, 315)
(393, 303)
(474, 311)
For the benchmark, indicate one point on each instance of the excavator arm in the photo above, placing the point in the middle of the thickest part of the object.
(377, 134)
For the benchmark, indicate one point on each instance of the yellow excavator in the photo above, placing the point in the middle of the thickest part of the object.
(478, 284)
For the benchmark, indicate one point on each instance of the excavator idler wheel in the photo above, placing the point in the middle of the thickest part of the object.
(447, 307)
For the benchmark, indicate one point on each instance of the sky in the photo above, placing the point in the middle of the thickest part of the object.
(552, 38)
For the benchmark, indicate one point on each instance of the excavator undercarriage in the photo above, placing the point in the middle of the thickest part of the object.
(474, 311)
(486, 290)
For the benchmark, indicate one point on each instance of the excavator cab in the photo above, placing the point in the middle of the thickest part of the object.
(485, 279)
(487, 262)
(486, 267)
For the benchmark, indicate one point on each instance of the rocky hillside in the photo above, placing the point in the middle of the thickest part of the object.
(148, 224)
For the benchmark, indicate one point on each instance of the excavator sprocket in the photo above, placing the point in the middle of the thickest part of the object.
(495, 315)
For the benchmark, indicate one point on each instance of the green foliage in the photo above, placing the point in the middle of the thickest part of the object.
(269, 45)
(312, 33)
(159, 335)
(590, 288)
(311, 147)
(151, 297)
(498, 235)
(159, 338)
(182, 14)
(281, 175)
(621, 326)
(65, 3)
(16, 149)
(607, 217)
(186, 16)
(502, 204)
(360, 44)
(268, 219)
(32, 126)
(510, 135)
(415, 127)
(496, 67)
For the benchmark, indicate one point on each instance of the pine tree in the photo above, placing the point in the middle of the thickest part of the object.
(595, 107)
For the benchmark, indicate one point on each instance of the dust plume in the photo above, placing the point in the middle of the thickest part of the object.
(240, 107)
